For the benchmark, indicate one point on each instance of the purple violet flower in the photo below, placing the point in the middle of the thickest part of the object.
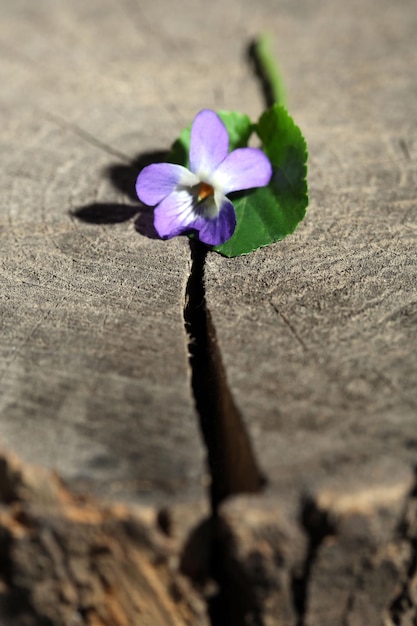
(195, 198)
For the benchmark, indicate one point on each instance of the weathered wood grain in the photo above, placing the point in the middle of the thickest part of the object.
(94, 377)
(94, 368)
(318, 336)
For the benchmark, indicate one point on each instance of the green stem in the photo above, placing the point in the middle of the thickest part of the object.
(269, 70)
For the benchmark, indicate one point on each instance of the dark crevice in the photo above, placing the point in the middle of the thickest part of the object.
(231, 460)
(241, 595)
(317, 525)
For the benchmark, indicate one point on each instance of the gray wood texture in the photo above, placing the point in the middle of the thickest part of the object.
(317, 334)
(94, 374)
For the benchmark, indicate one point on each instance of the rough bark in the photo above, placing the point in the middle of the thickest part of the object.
(69, 560)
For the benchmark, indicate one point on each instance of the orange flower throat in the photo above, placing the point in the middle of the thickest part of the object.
(204, 191)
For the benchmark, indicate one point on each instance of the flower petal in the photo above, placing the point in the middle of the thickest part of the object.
(209, 143)
(174, 214)
(243, 168)
(155, 182)
(215, 231)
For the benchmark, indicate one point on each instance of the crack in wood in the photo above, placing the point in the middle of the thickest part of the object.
(317, 526)
(231, 459)
(232, 463)
(290, 326)
(86, 136)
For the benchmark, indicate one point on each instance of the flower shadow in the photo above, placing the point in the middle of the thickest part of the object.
(107, 213)
(123, 178)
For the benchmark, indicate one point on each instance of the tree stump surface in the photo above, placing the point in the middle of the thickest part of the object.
(299, 403)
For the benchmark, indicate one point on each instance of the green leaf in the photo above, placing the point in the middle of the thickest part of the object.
(239, 128)
(268, 214)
